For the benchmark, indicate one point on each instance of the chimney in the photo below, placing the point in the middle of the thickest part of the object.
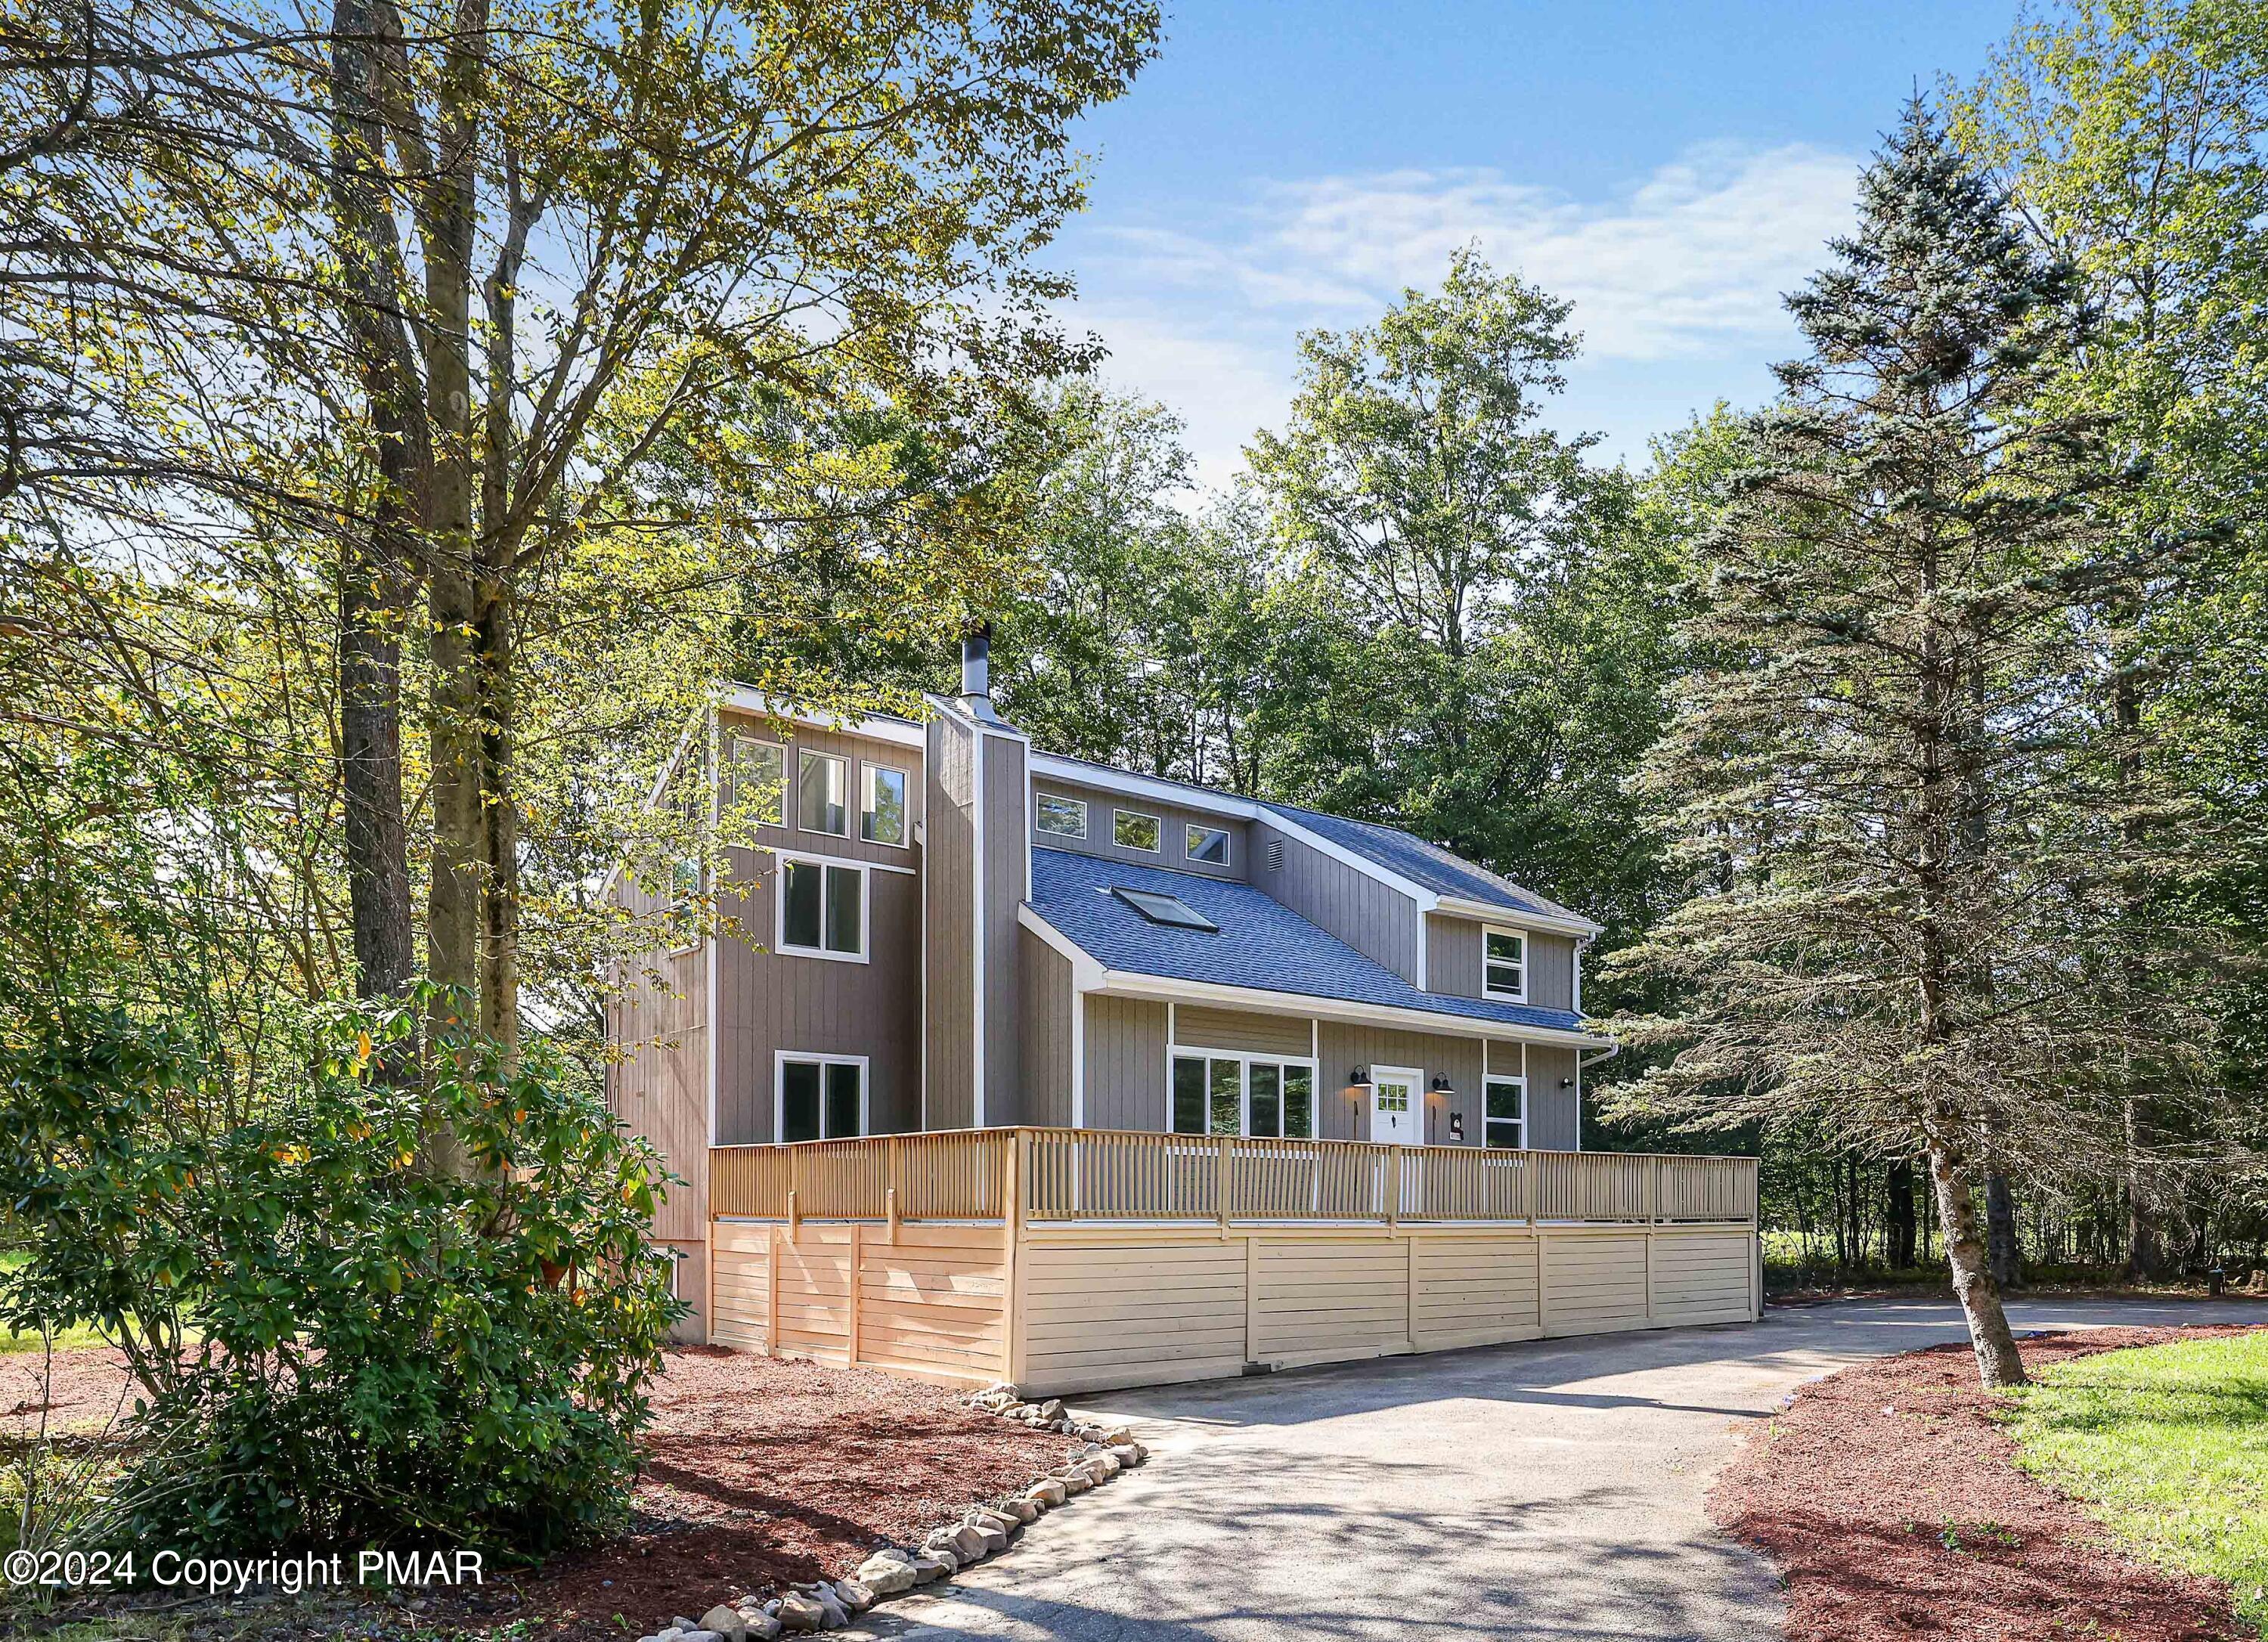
(976, 672)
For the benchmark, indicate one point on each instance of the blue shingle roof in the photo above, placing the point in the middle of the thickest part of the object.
(1422, 862)
(1262, 943)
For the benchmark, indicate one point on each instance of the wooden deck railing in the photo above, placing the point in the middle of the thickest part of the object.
(1057, 1174)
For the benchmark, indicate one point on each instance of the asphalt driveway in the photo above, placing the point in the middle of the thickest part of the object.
(1550, 1490)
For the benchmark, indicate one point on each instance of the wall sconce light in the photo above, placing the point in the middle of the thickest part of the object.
(1567, 1083)
(1359, 1075)
(1442, 1085)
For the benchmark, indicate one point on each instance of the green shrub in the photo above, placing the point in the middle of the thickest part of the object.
(406, 1299)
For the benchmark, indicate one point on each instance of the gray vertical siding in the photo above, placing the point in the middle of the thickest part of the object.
(1344, 1115)
(1552, 1119)
(1007, 860)
(948, 1010)
(1242, 1032)
(858, 752)
(1453, 947)
(1045, 1003)
(768, 1001)
(1125, 1064)
(1380, 922)
(1174, 822)
(660, 1088)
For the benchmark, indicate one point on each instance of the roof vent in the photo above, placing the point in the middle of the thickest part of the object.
(1275, 854)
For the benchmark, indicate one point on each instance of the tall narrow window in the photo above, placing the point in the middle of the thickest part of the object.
(1504, 964)
(823, 794)
(1267, 1097)
(1508, 1112)
(1299, 1103)
(1227, 1102)
(882, 818)
(822, 908)
(821, 1097)
(1188, 1096)
(759, 771)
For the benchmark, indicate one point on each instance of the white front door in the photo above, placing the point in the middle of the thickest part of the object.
(1397, 1106)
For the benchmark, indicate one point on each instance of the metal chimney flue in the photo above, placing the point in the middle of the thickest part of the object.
(976, 672)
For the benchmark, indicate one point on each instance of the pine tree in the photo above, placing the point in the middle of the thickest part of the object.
(1895, 785)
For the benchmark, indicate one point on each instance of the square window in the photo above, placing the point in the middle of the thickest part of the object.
(1508, 1112)
(882, 818)
(1504, 964)
(1067, 818)
(821, 1098)
(759, 775)
(1132, 829)
(1209, 845)
(822, 908)
(823, 794)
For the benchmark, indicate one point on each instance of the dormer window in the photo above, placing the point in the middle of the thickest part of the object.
(1504, 965)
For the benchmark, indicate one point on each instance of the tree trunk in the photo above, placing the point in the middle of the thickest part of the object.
(375, 581)
(1998, 1361)
(2145, 1243)
(1904, 1229)
(500, 874)
(2006, 1255)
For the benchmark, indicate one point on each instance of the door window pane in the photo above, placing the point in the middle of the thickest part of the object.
(1267, 1099)
(802, 886)
(883, 819)
(799, 1099)
(1299, 1103)
(1188, 1096)
(845, 884)
(1227, 1097)
(823, 794)
(841, 1101)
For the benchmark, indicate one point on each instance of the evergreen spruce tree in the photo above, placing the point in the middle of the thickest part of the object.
(1895, 783)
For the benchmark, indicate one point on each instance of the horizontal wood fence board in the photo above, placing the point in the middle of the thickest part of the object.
(1035, 1284)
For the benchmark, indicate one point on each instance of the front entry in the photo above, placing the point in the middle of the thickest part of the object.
(1397, 1106)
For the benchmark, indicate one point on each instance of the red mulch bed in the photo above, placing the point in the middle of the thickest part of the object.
(760, 1472)
(757, 1473)
(1890, 1497)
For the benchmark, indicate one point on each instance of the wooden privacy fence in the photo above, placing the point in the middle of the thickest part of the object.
(1044, 1176)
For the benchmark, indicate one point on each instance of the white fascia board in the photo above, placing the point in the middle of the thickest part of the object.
(898, 733)
(1517, 917)
(1086, 975)
(1120, 983)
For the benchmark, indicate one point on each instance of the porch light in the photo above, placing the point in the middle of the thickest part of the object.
(1442, 1085)
(1359, 1075)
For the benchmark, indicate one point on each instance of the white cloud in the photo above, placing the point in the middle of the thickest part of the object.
(1682, 271)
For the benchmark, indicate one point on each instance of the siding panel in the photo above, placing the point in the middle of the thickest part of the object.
(949, 889)
(1125, 1064)
(1045, 1015)
(1377, 921)
(1242, 1032)
(1453, 948)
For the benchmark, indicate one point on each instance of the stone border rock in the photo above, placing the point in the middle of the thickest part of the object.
(982, 1532)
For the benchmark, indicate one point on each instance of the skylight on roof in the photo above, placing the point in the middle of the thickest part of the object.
(1170, 910)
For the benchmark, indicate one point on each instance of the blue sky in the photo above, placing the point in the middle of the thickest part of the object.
(1671, 168)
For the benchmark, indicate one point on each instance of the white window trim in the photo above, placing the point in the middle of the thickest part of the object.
(1519, 1080)
(868, 770)
(1243, 1060)
(803, 753)
(1527, 947)
(1038, 831)
(1227, 841)
(1159, 822)
(780, 1058)
(865, 871)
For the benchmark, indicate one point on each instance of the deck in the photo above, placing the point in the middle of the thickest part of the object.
(1070, 1260)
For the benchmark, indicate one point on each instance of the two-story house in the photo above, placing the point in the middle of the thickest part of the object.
(948, 928)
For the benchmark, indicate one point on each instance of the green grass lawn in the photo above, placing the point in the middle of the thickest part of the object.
(2169, 1445)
